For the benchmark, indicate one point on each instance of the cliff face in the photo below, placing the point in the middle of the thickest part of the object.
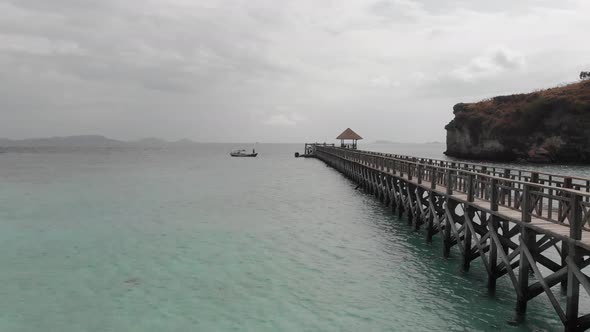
(547, 126)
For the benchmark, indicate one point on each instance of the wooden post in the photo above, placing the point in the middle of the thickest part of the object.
(410, 213)
(493, 256)
(420, 168)
(567, 182)
(574, 258)
(433, 178)
(525, 205)
(447, 230)
(393, 195)
(494, 195)
(469, 211)
(417, 221)
(565, 248)
(503, 192)
(527, 239)
(470, 193)
(430, 225)
(449, 182)
(402, 190)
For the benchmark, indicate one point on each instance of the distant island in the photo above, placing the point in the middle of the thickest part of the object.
(544, 126)
(91, 141)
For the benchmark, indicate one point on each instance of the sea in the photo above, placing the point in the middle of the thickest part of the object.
(190, 239)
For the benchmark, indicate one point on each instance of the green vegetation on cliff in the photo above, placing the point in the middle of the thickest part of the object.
(552, 125)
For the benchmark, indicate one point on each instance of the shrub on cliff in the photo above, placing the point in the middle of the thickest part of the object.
(460, 107)
(585, 75)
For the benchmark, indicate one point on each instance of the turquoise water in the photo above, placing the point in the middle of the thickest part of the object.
(193, 240)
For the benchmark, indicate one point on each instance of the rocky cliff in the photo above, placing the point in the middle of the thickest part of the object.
(545, 126)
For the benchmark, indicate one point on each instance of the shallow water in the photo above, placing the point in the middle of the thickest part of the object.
(191, 239)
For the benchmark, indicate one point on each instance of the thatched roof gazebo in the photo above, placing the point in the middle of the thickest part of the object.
(348, 135)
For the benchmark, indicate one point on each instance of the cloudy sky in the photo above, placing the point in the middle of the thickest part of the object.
(274, 70)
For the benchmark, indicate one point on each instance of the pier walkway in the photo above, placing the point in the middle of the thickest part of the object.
(533, 227)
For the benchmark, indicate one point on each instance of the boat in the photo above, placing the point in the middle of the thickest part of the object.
(244, 153)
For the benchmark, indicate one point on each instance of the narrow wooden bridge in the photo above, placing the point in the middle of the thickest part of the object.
(530, 226)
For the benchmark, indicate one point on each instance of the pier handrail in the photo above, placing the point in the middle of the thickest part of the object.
(448, 165)
(551, 203)
(467, 171)
(522, 174)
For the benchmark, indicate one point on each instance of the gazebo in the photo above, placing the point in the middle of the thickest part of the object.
(348, 135)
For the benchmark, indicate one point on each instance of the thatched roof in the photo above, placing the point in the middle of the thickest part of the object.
(349, 134)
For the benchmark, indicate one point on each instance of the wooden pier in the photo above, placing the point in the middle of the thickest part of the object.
(532, 227)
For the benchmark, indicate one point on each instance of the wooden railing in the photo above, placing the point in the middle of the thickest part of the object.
(559, 199)
(557, 180)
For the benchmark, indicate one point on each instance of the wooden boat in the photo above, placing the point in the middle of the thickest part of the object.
(243, 153)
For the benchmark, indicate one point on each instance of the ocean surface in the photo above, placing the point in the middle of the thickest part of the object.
(189, 239)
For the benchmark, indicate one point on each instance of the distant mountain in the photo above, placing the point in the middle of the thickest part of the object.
(91, 141)
(150, 142)
(68, 141)
(158, 142)
(183, 142)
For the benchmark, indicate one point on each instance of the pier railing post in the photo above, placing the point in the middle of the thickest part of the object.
(420, 168)
(575, 217)
(525, 205)
(505, 191)
(449, 183)
(494, 195)
(433, 178)
(567, 182)
(470, 193)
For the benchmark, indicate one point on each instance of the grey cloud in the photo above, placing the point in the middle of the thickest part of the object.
(499, 6)
(265, 70)
(507, 60)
